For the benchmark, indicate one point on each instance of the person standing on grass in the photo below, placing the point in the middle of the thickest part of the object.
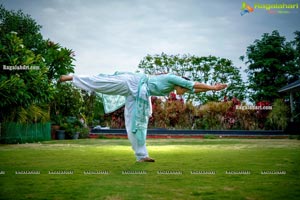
(134, 91)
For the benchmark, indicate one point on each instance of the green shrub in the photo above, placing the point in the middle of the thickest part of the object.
(279, 116)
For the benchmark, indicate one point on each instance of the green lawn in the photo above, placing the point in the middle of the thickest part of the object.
(114, 158)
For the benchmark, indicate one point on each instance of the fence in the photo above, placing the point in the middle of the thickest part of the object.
(13, 133)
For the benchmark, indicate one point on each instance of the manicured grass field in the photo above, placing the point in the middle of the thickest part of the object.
(184, 169)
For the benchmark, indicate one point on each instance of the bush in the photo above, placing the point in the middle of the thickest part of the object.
(174, 113)
(247, 119)
(279, 116)
(212, 115)
(67, 101)
(84, 132)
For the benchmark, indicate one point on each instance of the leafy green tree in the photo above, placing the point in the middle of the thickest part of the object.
(68, 100)
(24, 25)
(209, 70)
(28, 64)
(279, 116)
(57, 59)
(23, 78)
(93, 110)
(271, 65)
(296, 43)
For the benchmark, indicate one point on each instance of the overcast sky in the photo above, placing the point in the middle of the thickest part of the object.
(115, 35)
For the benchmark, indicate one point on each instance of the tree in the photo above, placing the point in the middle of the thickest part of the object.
(93, 109)
(24, 25)
(209, 70)
(57, 59)
(296, 43)
(68, 100)
(271, 65)
(23, 78)
(28, 64)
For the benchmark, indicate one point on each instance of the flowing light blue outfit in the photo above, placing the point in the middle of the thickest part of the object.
(132, 90)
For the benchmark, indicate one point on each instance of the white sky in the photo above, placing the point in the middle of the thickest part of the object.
(115, 35)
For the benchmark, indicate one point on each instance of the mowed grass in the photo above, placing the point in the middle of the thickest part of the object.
(169, 177)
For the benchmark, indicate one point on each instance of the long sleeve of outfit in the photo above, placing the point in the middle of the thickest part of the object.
(133, 90)
(161, 85)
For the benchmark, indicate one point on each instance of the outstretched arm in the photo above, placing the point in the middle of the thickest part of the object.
(201, 87)
(64, 78)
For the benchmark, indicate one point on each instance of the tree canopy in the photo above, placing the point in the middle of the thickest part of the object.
(272, 63)
(29, 64)
(209, 70)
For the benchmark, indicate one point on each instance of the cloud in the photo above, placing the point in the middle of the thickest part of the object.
(115, 35)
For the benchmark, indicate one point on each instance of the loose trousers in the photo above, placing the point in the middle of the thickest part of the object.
(125, 85)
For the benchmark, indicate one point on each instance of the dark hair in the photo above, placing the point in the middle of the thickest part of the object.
(185, 78)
